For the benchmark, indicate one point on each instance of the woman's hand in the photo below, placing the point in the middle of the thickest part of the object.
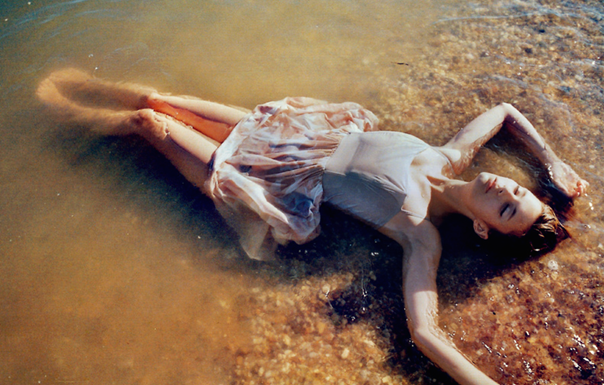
(566, 179)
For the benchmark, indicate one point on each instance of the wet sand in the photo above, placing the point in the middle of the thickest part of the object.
(115, 270)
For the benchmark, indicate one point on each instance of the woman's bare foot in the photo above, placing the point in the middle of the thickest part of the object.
(144, 122)
(57, 104)
(78, 85)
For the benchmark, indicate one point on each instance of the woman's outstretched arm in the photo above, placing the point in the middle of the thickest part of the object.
(462, 148)
(422, 248)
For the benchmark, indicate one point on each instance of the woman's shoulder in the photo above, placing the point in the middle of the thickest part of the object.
(451, 154)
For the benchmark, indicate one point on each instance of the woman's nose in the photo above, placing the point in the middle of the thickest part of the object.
(505, 191)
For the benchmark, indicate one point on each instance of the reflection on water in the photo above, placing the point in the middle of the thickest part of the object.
(115, 270)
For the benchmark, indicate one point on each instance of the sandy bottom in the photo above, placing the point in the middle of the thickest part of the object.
(115, 271)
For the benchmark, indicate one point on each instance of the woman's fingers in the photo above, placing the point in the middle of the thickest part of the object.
(567, 180)
(582, 186)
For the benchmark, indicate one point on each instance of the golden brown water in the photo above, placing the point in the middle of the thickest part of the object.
(113, 270)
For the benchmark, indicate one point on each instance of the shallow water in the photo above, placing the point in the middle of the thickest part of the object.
(115, 270)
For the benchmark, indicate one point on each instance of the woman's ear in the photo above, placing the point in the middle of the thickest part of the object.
(481, 228)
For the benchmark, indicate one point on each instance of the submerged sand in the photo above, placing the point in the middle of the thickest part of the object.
(521, 321)
(116, 271)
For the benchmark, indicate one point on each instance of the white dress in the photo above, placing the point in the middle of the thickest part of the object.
(266, 177)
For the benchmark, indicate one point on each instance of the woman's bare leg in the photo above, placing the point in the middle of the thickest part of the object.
(81, 87)
(188, 150)
(211, 119)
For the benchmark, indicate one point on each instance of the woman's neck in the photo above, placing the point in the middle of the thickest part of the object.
(448, 197)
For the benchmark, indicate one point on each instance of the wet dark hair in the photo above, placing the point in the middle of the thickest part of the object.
(542, 237)
(545, 233)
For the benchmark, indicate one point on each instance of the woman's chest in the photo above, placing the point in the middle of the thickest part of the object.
(426, 167)
(373, 177)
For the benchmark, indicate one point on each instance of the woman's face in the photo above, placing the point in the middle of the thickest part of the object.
(500, 203)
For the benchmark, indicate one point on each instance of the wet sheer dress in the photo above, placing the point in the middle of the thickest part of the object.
(285, 158)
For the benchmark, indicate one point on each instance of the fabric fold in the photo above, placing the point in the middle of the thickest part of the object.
(266, 179)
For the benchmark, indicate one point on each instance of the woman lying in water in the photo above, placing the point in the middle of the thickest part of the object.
(268, 171)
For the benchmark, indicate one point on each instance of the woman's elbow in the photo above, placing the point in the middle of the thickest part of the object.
(422, 337)
(509, 109)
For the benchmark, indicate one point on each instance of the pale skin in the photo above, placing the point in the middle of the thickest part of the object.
(188, 130)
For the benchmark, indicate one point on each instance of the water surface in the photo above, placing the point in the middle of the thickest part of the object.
(115, 270)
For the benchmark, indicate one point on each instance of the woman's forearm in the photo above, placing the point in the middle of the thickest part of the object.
(443, 353)
(520, 127)
(561, 174)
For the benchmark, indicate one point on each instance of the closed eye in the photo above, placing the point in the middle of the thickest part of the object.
(509, 209)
